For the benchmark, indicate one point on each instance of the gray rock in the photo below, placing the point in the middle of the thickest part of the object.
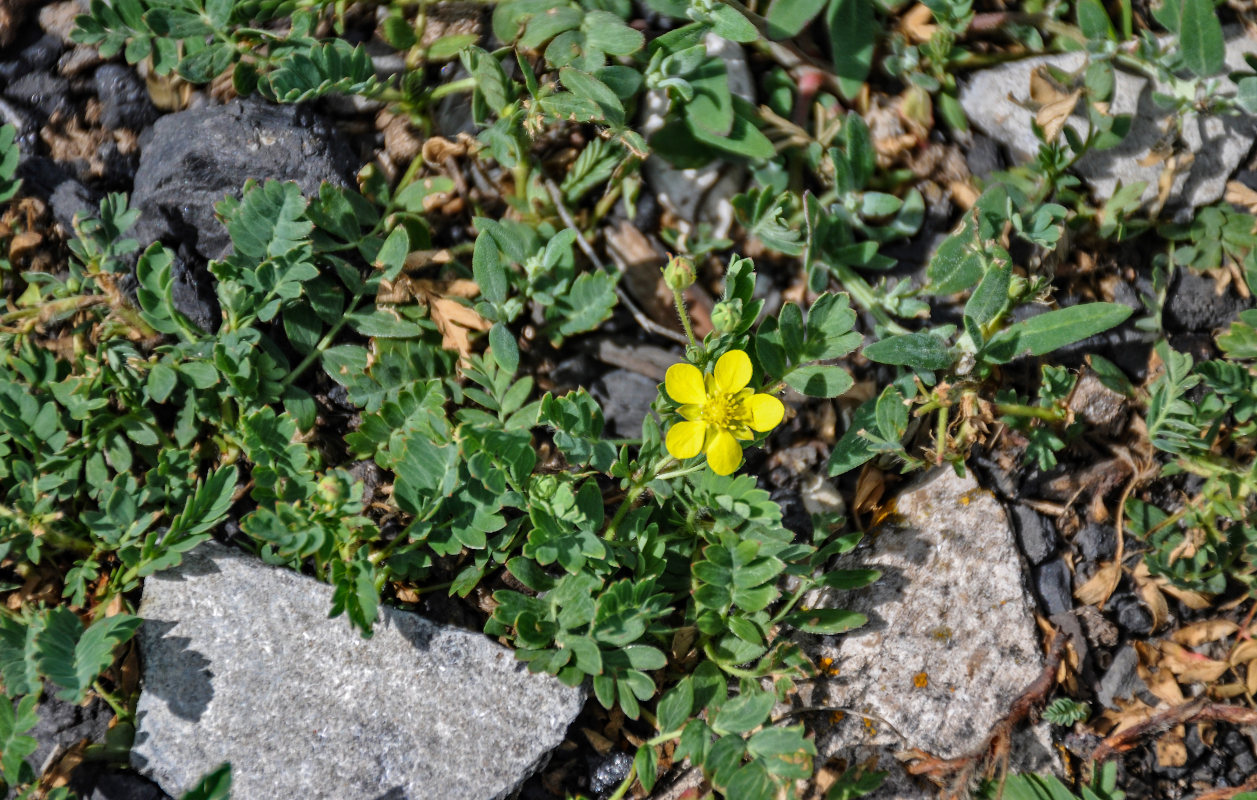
(1121, 681)
(625, 398)
(41, 92)
(1096, 542)
(124, 98)
(193, 159)
(1052, 583)
(990, 99)
(1036, 535)
(951, 607)
(241, 664)
(63, 724)
(1099, 407)
(1132, 615)
(1195, 304)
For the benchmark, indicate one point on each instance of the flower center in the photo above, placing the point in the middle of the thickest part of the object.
(724, 411)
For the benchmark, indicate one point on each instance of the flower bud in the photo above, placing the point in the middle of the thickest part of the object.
(679, 274)
(726, 316)
(331, 489)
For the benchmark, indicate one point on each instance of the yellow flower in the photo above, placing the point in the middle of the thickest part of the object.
(719, 411)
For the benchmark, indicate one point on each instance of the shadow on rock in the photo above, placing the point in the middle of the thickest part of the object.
(188, 690)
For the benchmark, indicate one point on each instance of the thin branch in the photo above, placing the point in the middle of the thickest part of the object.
(646, 322)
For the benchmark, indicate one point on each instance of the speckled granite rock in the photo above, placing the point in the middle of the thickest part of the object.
(242, 664)
(1219, 143)
(950, 642)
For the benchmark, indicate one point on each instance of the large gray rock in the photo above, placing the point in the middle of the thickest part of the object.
(991, 100)
(950, 641)
(242, 664)
(193, 159)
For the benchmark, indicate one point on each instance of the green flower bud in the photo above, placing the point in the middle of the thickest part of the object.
(727, 316)
(679, 274)
(331, 489)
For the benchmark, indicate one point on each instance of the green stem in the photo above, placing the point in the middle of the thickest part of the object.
(464, 85)
(679, 472)
(1037, 412)
(804, 585)
(118, 708)
(685, 318)
(864, 296)
(323, 344)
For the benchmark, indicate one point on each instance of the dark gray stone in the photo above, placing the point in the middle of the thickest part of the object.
(124, 98)
(63, 724)
(607, 772)
(1121, 681)
(125, 786)
(193, 159)
(1035, 535)
(1096, 542)
(1194, 304)
(242, 664)
(625, 398)
(41, 92)
(1052, 585)
(1132, 616)
(72, 198)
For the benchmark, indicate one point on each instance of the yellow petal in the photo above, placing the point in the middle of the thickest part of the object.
(685, 439)
(690, 411)
(766, 411)
(724, 454)
(733, 371)
(684, 384)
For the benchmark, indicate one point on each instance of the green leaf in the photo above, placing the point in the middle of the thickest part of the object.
(73, 658)
(991, 296)
(162, 380)
(383, 323)
(786, 18)
(711, 110)
(606, 32)
(824, 620)
(1094, 21)
(487, 269)
(647, 764)
(1047, 332)
(675, 706)
(19, 665)
(852, 449)
(505, 348)
(1200, 37)
(852, 35)
(957, 264)
(819, 381)
(392, 255)
(920, 350)
(743, 713)
(728, 22)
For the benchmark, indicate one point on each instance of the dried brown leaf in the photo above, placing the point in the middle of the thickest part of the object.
(1052, 116)
(1189, 666)
(1241, 195)
(1098, 588)
(1244, 652)
(1210, 630)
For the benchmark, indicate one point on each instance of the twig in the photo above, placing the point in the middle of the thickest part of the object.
(1227, 792)
(646, 322)
(1197, 710)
